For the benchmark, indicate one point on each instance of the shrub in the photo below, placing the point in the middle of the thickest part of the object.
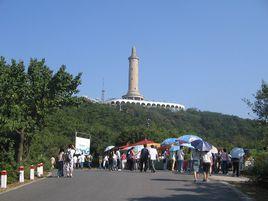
(260, 169)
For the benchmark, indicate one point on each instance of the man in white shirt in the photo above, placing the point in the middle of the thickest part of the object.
(153, 156)
(206, 159)
(118, 154)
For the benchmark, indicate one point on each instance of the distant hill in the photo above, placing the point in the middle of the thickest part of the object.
(109, 125)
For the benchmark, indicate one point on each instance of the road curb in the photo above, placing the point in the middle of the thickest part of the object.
(26, 184)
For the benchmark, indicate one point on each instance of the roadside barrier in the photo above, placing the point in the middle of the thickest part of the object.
(38, 173)
(31, 172)
(3, 179)
(42, 169)
(21, 174)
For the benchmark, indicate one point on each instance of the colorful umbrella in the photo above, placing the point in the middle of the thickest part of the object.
(188, 138)
(187, 145)
(201, 145)
(169, 141)
(174, 148)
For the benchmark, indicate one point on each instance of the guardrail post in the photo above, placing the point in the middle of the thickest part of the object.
(3, 179)
(21, 174)
(31, 172)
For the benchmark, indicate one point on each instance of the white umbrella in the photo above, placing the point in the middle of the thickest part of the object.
(108, 148)
(237, 152)
(188, 138)
(214, 150)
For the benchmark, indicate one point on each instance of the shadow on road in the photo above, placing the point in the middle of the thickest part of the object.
(204, 191)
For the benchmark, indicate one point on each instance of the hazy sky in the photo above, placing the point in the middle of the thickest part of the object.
(203, 54)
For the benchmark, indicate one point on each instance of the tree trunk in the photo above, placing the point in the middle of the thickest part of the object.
(20, 147)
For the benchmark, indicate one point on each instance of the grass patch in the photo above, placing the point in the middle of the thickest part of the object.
(253, 190)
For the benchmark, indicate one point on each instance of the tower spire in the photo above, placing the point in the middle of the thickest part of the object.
(133, 80)
(133, 52)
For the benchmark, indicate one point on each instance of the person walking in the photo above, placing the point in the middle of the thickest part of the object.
(153, 156)
(206, 161)
(60, 162)
(173, 160)
(114, 161)
(180, 157)
(89, 160)
(124, 161)
(144, 158)
(100, 161)
(75, 159)
(224, 161)
(196, 163)
(119, 164)
(165, 159)
(111, 154)
(69, 160)
(130, 159)
(105, 161)
(82, 160)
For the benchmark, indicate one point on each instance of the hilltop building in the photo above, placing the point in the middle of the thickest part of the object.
(133, 95)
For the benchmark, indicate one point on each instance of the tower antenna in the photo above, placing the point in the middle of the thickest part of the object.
(102, 92)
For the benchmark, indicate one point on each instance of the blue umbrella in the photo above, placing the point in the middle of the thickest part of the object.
(188, 138)
(237, 152)
(174, 148)
(187, 145)
(169, 141)
(201, 145)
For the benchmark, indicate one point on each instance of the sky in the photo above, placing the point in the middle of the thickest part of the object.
(207, 54)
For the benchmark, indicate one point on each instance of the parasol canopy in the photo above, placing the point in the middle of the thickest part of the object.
(187, 145)
(169, 141)
(174, 148)
(108, 148)
(188, 138)
(214, 150)
(237, 152)
(201, 145)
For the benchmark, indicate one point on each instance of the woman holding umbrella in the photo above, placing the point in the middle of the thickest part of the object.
(206, 156)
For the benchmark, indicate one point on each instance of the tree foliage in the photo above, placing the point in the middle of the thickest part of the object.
(28, 96)
(113, 126)
(260, 105)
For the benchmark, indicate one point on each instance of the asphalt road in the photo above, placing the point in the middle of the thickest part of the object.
(98, 185)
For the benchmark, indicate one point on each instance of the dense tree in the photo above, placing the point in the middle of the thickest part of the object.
(27, 97)
(260, 105)
(111, 126)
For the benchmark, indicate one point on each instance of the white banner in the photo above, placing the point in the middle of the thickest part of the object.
(82, 145)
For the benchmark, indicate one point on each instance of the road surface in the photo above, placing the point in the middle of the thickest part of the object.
(100, 185)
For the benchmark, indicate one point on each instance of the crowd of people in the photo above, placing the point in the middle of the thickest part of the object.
(114, 160)
(182, 160)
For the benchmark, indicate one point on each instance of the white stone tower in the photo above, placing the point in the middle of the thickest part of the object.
(133, 82)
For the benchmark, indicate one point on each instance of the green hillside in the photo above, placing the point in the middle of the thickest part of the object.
(111, 126)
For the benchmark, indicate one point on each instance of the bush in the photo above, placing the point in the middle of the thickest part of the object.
(13, 169)
(260, 169)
